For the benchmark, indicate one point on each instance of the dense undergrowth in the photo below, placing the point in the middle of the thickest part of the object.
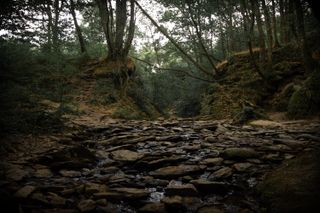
(287, 87)
(29, 76)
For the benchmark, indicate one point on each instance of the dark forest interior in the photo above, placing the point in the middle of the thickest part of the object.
(159, 106)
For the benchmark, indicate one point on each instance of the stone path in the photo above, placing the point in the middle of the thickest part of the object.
(152, 166)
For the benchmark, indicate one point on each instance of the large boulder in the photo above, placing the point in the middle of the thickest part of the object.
(294, 187)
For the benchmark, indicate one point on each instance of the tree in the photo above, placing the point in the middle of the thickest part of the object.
(306, 54)
(77, 27)
(118, 30)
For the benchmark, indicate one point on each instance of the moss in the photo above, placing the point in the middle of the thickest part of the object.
(305, 101)
(247, 114)
(294, 187)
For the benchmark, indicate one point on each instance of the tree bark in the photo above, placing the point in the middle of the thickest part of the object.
(249, 34)
(269, 30)
(131, 28)
(77, 27)
(274, 25)
(55, 26)
(306, 54)
(50, 25)
(256, 11)
(282, 22)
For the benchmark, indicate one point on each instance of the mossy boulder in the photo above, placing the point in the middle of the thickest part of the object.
(306, 100)
(247, 114)
(294, 187)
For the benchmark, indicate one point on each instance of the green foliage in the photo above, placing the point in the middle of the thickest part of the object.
(306, 100)
(28, 77)
(128, 113)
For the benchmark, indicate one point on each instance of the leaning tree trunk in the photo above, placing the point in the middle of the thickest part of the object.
(77, 27)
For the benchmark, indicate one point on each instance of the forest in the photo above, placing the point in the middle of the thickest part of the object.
(159, 106)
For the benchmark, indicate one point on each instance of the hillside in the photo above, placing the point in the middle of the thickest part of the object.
(239, 86)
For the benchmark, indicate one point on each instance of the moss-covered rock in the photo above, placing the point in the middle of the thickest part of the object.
(294, 187)
(306, 100)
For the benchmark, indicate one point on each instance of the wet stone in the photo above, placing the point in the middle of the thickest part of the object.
(49, 198)
(126, 155)
(25, 191)
(241, 167)
(212, 161)
(153, 208)
(211, 187)
(43, 173)
(221, 173)
(177, 188)
(86, 205)
(211, 209)
(69, 173)
(176, 171)
(91, 188)
(240, 153)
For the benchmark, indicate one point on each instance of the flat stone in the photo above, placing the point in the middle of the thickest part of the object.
(182, 203)
(240, 153)
(126, 155)
(192, 147)
(211, 139)
(16, 174)
(211, 187)
(176, 171)
(91, 188)
(25, 191)
(212, 161)
(172, 200)
(153, 208)
(176, 188)
(265, 123)
(49, 198)
(290, 143)
(241, 167)
(69, 173)
(43, 173)
(221, 173)
(123, 193)
(69, 158)
(86, 205)
(210, 209)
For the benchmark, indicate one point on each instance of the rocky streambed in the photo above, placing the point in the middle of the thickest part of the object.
(152, 166)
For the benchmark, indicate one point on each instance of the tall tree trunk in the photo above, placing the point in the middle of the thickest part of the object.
(121, 20)
(282, 22)
(290, 27)
(131, 28)
(50, 25)
(274, 25)
(55, 27)
(104, 14)
(248, 30)
(77, 27)
(306, 54)
(269, 30)
(256, 11)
